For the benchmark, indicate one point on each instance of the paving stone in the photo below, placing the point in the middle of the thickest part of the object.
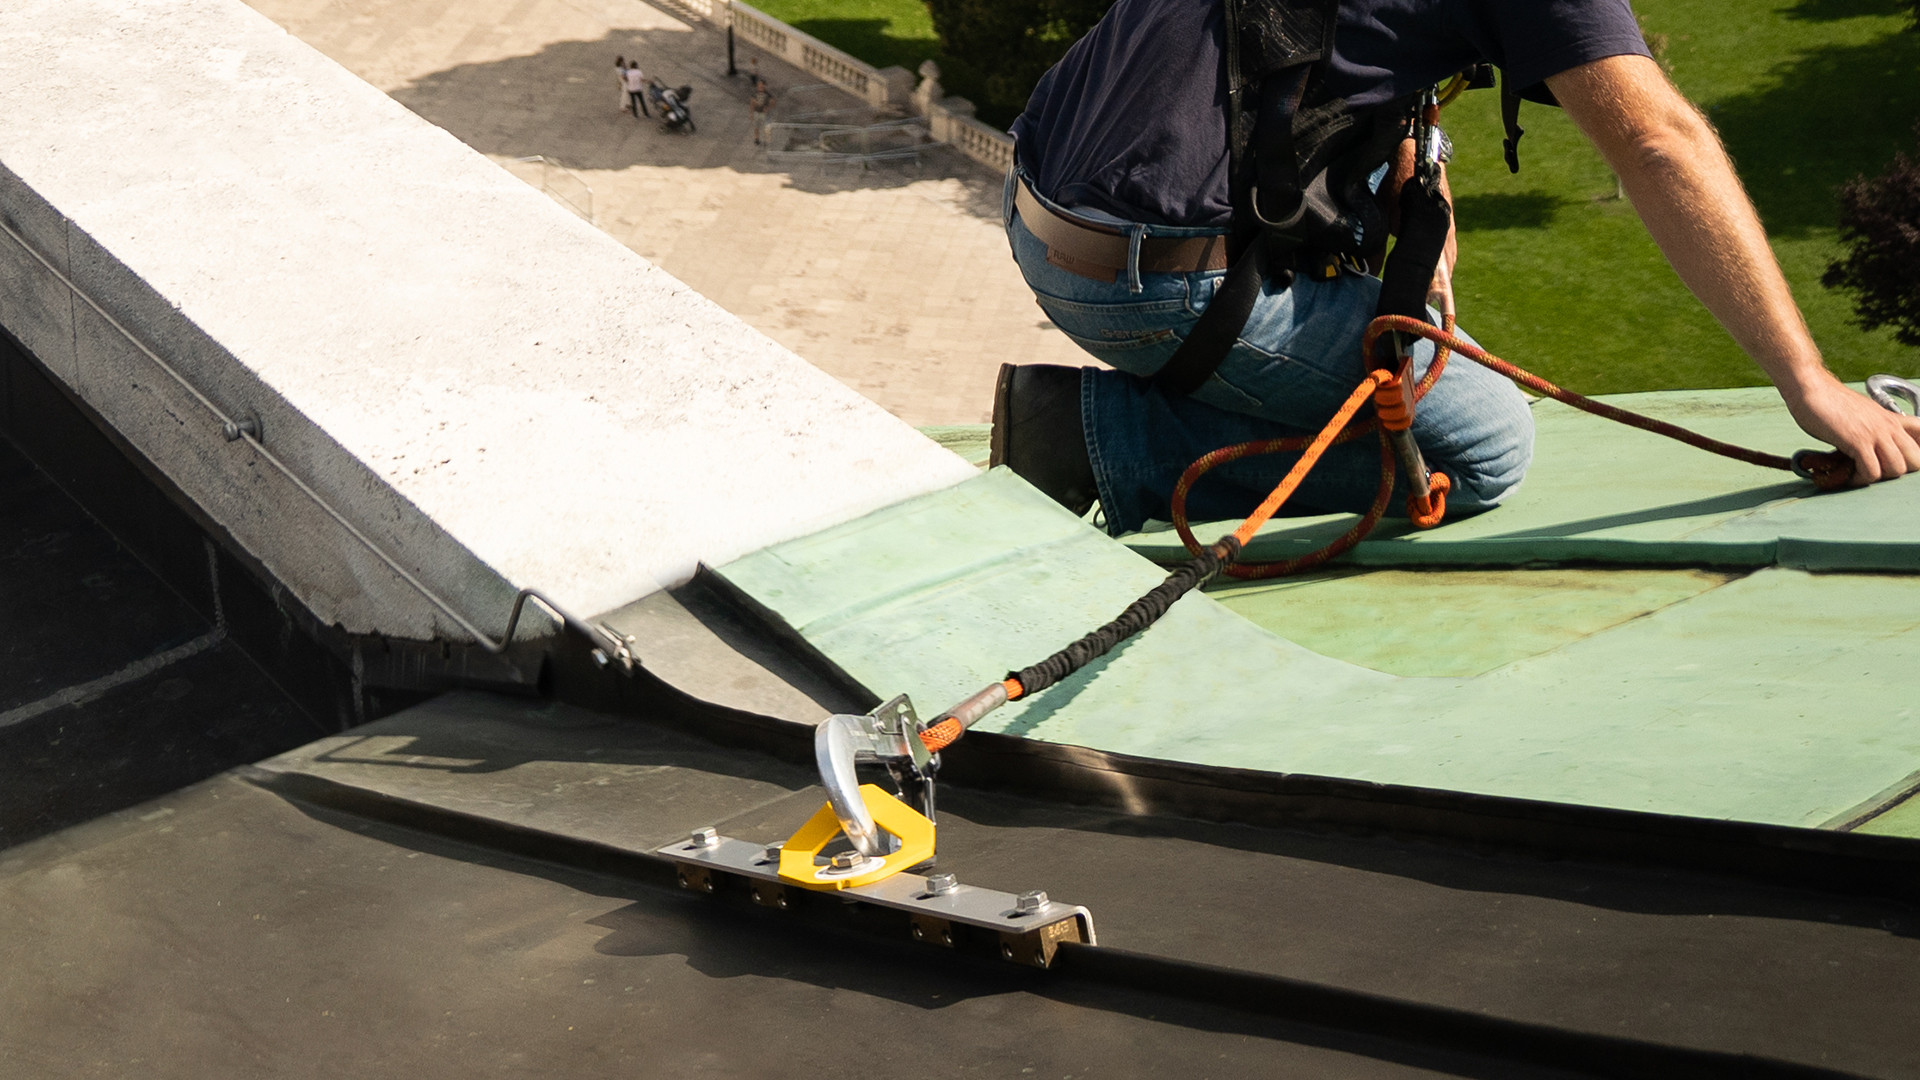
(896, 279)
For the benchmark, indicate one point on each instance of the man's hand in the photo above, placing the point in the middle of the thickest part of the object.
(1674, 169)
(1882, 444)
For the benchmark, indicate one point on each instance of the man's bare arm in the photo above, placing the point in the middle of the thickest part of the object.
(1682, 184)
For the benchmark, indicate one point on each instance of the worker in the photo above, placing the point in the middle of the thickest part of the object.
(1130, 208)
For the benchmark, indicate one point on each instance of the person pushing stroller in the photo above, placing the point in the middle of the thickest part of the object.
(672, 106)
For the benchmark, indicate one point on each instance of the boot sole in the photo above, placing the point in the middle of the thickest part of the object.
(1002, 410)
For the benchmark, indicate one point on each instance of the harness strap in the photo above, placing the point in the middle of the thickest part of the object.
(1425, 218)
(1510, 120)
(1220, 324)
(1277, 196)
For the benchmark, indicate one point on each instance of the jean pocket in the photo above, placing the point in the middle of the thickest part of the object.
(1118, 326)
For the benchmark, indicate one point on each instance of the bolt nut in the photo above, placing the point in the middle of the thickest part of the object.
(1030, 903)
(941, 884)
(704, 838)
(772, 852)
(846, 860)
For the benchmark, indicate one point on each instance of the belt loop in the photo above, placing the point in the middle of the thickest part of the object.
(1135, 233)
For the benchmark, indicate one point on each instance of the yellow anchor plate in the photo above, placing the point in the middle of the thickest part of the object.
(908, 825)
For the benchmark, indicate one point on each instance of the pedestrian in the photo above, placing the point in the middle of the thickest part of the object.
(1145, 159)
(758, 106)
(636, 84)
(620, 79)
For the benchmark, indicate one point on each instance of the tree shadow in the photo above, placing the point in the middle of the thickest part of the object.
(1827, 115)
(562, 102)
(1488, 211)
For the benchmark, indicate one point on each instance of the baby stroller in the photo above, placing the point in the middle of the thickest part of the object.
(672, 103)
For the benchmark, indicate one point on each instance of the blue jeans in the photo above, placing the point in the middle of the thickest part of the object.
(1296, 360)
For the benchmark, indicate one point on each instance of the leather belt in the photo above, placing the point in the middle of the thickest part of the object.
(1099, 251)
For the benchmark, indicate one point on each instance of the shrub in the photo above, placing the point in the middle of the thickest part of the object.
(997, 49)
(1880, 224)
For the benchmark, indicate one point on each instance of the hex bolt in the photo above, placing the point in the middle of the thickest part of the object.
(772, 852)
(704, 838)
(941, 884)
(846, 860)
(919, 934)
(1030, 902)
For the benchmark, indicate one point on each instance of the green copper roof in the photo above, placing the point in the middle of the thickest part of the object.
(1767, 696)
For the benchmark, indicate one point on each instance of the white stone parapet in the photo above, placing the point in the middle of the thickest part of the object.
(461, 389)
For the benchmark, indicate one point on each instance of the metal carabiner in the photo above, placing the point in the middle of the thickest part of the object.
(1428, 141)
(890, 736)
(1883, 389)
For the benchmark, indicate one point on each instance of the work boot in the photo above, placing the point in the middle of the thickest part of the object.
(1038, 434)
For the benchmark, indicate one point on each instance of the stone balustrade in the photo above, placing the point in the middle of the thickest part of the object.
(949, 119)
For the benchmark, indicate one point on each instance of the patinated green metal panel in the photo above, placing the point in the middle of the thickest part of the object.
(1761, 696)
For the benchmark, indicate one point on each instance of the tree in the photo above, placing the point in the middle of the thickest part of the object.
(1002, 47)
(1880, 224)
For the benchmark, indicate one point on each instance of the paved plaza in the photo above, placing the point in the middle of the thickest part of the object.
(895, 279)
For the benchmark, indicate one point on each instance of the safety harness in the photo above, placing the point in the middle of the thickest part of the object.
(1301, 173)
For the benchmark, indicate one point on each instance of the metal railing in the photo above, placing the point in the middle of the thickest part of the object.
(824, 103)
(846, 144)
(570, 181)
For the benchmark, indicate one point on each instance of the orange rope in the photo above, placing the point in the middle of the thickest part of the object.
(942, 735)
(1828, 470)
(1309, 457)
(1346, 541)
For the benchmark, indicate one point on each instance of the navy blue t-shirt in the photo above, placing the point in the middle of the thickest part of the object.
(1133, 120)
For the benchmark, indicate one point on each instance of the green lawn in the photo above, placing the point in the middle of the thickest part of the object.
(881, 32)
(1558, 275)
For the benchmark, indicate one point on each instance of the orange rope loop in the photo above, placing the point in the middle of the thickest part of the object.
(1828, 470)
